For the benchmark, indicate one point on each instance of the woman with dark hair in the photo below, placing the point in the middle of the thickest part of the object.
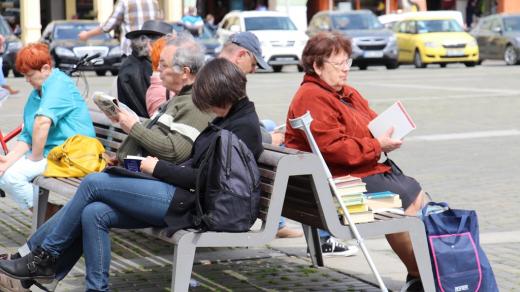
(104, 201)
(340, 126)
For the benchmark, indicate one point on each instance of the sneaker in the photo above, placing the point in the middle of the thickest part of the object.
(286, 232)
(332, 247)
(412, 284)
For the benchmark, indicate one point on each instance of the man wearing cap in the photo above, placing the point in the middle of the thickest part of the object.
(134, 75)
(130, 15)
(243, 49)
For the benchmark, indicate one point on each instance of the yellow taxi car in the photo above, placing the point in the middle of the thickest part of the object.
(434, 40)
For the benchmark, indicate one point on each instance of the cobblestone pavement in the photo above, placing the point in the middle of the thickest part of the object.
(140, 263)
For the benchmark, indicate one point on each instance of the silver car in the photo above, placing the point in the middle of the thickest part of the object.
(372, 43)
(498, 37)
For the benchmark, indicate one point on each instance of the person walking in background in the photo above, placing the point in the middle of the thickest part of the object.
(209, 24)
(192, 21)
(471, 8)
(5, 89)
(129, 15)
(133, 79)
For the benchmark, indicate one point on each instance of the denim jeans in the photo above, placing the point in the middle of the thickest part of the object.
(68, 257)
(281, 222)
(102, 202)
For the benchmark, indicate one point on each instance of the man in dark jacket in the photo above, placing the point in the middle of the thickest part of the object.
(134, 75)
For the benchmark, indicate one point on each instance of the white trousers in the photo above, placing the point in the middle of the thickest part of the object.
(16, 180)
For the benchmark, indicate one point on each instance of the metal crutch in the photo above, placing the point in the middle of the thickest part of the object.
(303, 123)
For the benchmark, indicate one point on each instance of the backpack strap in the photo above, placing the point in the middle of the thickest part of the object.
(203, 167)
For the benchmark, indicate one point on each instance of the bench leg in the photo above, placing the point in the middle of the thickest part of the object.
(312, 237)
(40, 199)
(183, 258)
(422, 257)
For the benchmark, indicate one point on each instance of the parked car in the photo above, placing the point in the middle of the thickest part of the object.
(389, 20)
(210, 43)
(498, 37)
(66, 48)
(424, 40)
(282, 43)
(372, 43)
(11, 47)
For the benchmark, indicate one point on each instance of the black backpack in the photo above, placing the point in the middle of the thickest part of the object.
(227, 186)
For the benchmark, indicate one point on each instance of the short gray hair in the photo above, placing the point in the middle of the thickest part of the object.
(139, 45)
(189, 52)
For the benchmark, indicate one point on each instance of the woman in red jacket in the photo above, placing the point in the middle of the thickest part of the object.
(340, 127)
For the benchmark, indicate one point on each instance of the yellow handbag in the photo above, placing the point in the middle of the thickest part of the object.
(76, 157)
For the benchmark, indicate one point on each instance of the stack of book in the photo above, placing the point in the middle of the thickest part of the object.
(382, 201)
(350, 189)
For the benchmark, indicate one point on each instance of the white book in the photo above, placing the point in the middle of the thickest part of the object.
(107, 104)
(394, 116)
(110, 106)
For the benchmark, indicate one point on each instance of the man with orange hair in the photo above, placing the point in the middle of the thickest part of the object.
(55, 111)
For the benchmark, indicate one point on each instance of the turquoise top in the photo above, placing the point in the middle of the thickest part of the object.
(190, 19)
(61, 102)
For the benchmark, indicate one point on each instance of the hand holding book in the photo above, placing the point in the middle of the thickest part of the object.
(126, 120)
(148, 164)
(387, 143)
(391, 126)
(116, 111)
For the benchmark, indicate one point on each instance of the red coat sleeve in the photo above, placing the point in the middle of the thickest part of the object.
(343, 139)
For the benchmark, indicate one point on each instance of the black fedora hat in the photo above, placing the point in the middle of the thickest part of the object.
(151, 28)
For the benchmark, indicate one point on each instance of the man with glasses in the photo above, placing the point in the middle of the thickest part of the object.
(134, 75)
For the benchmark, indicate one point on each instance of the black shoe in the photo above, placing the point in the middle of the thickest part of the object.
(413, 284)
(332, 247)
(38, 264)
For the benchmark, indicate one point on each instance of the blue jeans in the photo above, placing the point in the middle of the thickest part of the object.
(102, 202)
(68, 257)
(324, 235)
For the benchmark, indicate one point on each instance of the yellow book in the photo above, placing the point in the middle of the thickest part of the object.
(359, 208)
(362, 217)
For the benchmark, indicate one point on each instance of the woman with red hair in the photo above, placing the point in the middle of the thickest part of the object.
(53, 112)
(156, 94)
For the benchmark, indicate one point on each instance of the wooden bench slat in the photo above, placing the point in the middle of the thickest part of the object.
(113, 145)
(267, 173)
(105, 133)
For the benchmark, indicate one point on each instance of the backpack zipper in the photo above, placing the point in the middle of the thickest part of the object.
(228, 162)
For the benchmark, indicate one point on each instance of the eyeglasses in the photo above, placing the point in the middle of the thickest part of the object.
(341, 65)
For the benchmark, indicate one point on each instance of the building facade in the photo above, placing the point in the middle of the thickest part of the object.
(34, 15)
